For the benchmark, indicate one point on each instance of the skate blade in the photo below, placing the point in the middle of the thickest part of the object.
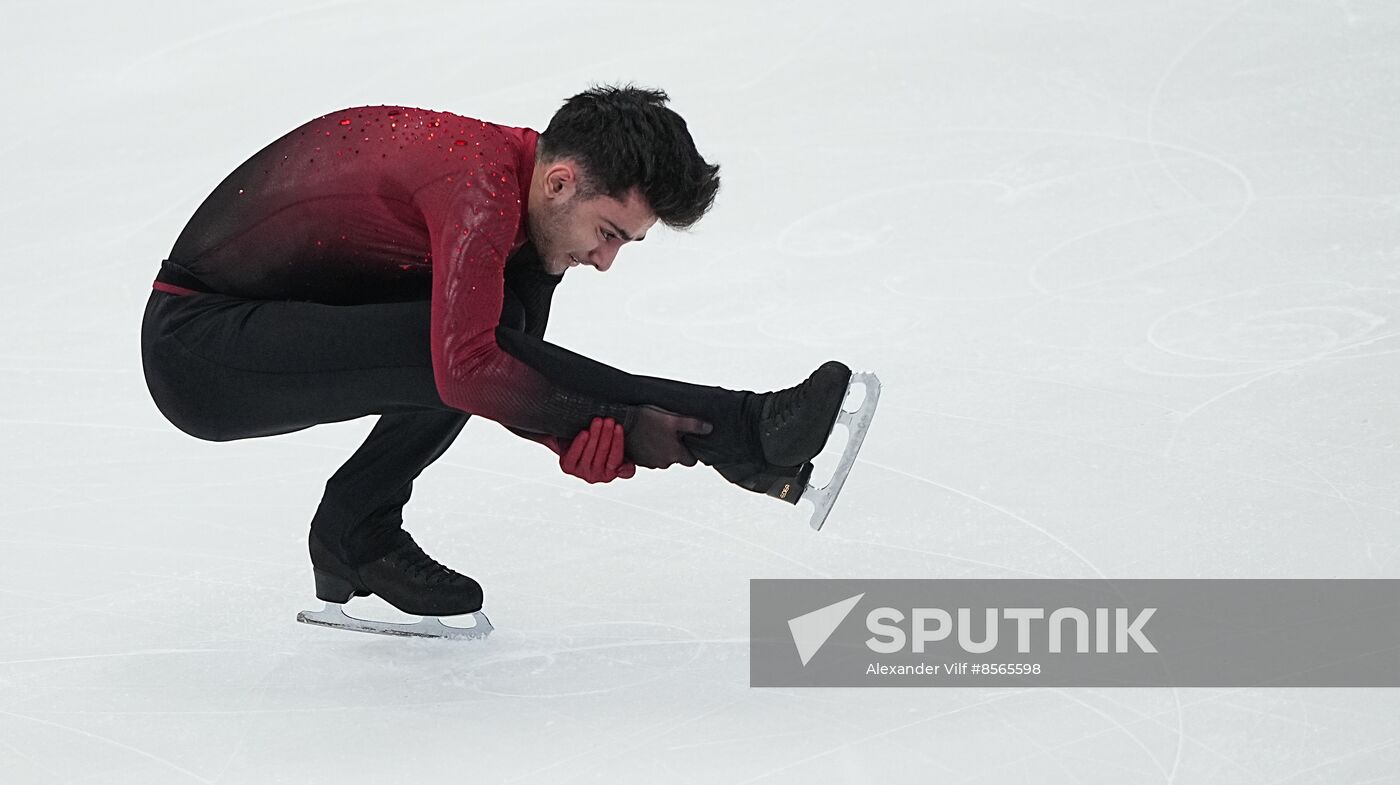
(857, 423)
(333, 615)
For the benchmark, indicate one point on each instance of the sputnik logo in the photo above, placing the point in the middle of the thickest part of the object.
(810, 631)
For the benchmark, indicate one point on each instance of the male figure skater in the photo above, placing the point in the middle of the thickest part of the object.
(401, 262)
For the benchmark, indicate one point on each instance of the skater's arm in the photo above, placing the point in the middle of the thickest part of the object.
(529, 292)
(554, 443)
(471, 223)
(652, 428)
(594, 455)
(531, 287)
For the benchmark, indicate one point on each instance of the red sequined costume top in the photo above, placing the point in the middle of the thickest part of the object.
(374, 204)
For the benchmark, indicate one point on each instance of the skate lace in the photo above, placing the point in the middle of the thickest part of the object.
(415, 563)
(785, 404)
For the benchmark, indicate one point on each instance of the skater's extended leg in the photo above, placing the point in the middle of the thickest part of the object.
(734, 414)
(732, 447)
(760, 442)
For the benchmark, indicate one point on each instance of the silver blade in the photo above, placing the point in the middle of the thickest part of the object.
(857, 423)
(333, 615)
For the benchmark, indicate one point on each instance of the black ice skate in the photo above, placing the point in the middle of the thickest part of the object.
(794, 427)
(406, 578)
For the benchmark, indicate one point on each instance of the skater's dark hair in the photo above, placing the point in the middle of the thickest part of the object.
(624, 137)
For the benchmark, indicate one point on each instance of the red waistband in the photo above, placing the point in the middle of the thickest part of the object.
(172, 288)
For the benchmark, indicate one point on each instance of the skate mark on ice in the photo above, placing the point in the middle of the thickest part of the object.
(560, 663)
(936, 554)
(880, 734)
(1008, 513)
(1177, 730)
(639, 740)
(1068, 437)
(863, 241)
(1033, 274)
(1114, 725)
(1027, 377)
(200, 579)
(1248, 197)
(1214, 399)
(1003, 291)
(1336, 492)
(151, 549)
(1155, 99)
(625, 544)
(38, 764)
(1274, 324)
(1305, 724)
(765, 737)
(1204, 469)
(83, 604)
(599, 496)
(162, 493)
(753, 546)
(108, 740)
(1337, 759)
(48, 288)
(788, 53)
(137, 653)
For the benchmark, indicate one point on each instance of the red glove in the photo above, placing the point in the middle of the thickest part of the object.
(596, 454)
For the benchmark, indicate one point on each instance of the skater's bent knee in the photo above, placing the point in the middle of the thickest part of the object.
(209, 432)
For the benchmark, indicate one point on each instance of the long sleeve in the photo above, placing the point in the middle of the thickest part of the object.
(532, 288)
(472, 220)
(529, 294)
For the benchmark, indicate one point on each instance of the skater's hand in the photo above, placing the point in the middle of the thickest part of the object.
(655, 441)
(596, 454)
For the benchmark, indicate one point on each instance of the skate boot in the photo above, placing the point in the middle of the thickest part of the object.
(406, 578)
(793, 427)
(794, 424)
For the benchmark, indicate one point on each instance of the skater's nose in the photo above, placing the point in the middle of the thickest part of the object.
(603, 257)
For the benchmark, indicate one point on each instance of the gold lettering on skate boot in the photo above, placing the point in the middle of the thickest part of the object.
(786, 487)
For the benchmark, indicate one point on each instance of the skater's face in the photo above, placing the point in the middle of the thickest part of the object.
(568, 229)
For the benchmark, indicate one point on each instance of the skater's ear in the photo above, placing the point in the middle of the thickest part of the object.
(561, 179)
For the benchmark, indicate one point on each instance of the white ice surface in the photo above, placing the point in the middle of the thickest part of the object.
(1130, 273)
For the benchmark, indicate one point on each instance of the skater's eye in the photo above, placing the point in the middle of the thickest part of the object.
(609, 236)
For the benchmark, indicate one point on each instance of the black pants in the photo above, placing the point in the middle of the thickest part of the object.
(222, 368)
